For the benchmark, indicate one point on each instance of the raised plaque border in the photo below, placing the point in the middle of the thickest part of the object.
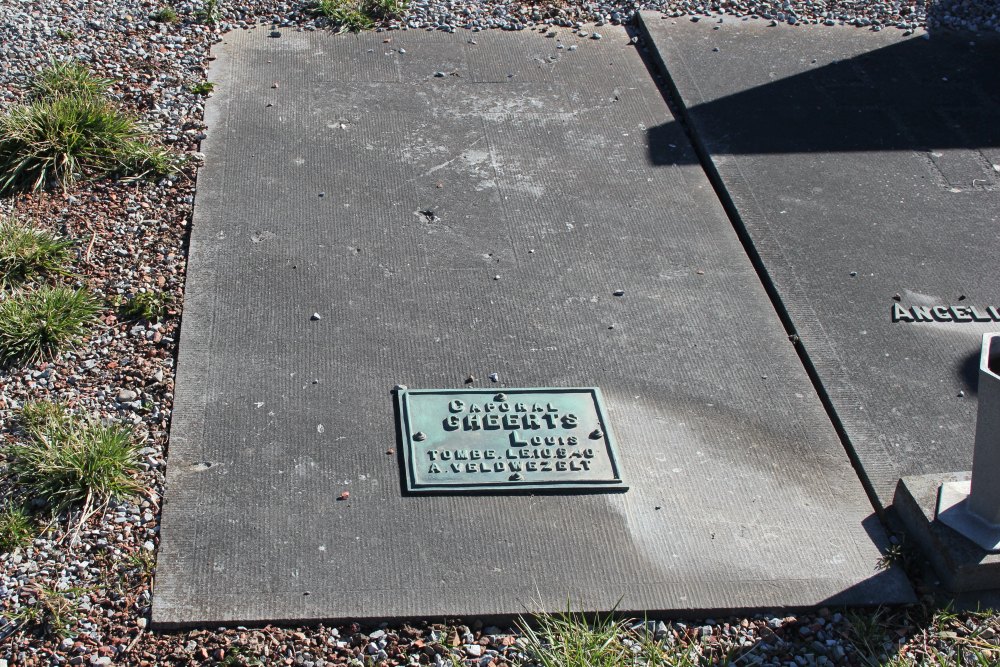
(404, 434)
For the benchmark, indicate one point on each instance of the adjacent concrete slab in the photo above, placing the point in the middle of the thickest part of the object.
(454, 226)
(863, 167)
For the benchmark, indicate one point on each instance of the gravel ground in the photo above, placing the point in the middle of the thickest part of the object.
(131, 238)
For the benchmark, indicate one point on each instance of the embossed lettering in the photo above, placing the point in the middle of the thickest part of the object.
(491, 421)
(514, 442)
(511, 421)
(472, 423)
(900, 314)
(456, 406)
(452, 423)
(941, 314)
(569, 421)
(434, 468)
(978, 315)
(961, 314)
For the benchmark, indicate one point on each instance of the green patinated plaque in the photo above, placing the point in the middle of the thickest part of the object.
(488, 440)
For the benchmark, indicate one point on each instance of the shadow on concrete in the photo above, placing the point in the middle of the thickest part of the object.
(968, 372)
(882, 571)
(926, 95)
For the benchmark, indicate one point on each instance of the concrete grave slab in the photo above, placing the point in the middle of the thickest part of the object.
(865, 170)
(446, 228)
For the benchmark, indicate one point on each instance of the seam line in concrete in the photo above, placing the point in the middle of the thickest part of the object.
(658, 70)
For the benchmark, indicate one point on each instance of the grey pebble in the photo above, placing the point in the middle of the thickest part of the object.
(315, 317)
(127, 396)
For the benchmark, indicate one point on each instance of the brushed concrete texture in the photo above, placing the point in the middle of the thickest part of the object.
(863, 167)
(345, 178)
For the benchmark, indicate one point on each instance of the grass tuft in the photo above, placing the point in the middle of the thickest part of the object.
(45, 420)
(67, 461)
(345, 15)
(50, 611)
(68, 80)
(149, 306)
(38, 324)
(165, 15)
(357, 15)
(567, 640)
(570, 640)
(386, 9)
(69, 131)
(16, 528)
(27, 254)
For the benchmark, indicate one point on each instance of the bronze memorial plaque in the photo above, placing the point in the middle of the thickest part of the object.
(468, 440)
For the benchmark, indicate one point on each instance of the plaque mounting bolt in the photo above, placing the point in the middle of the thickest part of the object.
(516, 477)
(500, 397)
(597, 434)
(419, 436)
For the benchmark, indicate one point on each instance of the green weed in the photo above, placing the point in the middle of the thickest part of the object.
(346, 15)
(386, 9)
(209, 13)
(239, 657)
(65, 35)
(38, 324)
(149, 306)
(16, 528)
(203, 88)
(27, 253)
(69, 461)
